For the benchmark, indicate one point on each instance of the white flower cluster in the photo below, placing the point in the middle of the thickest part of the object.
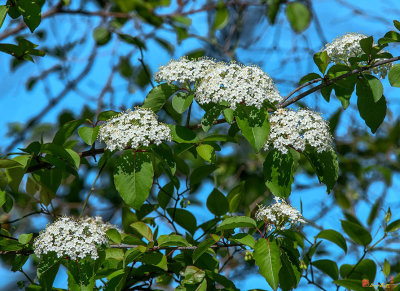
(296, 129)
(279, 215)
(233, 84)
(220, 82)
(133, 129)
(73, 238)
(184, 71)
(347, 46)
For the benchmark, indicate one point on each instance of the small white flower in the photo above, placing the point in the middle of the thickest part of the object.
(73, 238)
(233, 84)
(184, 71)
(347, 46)
(296, 129)
(279, 215)
(134, 129)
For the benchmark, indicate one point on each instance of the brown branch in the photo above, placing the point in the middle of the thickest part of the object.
(327, 83)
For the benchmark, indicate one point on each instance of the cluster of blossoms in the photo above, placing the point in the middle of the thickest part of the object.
(347, 46)
(233, 84)
(222, 83)
(296, 129)
(134, 129)
(279, 215)
(73, 238)
(184, 71)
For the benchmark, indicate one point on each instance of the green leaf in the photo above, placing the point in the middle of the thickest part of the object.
(200, 173)
(335, 237)
(344, 87)
(371, 111)
(395, 225)
(5, 164)
(165, 195)
(386, 268)
(47, 270)
(172, 240)
(106, 115)
(14, 177)
(181, 134)
(229, 115)
(157, 97)
(309, 77)
(278, 173)
(254, 125)
(366, 44)
(3, 180)
(389, 37)
(375, 86)
(325, 165)
(394, 76)
(133, 177)
(101, 35)
(184, 218)
(66, 131)
(374, 212)
(31, 13)
(355, 285)
(3, 13)
(299, 16)
(75, 156)
(321, 59)
(156, 259)
(114, 235)
(206, 152)
(18, 262)
(356, 232)
(217, 203)
(143, 229)
(328, 267)
(396, 24)
(289, 274)
(89, 134)
(272, 10)
(202, 248)
(3, 198)
(212, 112)
(181, 101)
(366, 269)
(266, 255)
(244, 238)
(236, 222)
(235, 197)
(81, 275)
(25, 238)
(221, 16)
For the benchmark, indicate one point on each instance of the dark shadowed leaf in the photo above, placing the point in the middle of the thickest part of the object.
(278, 173)
(356, 232)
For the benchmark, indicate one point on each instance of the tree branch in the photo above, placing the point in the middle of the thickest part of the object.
(327, 83)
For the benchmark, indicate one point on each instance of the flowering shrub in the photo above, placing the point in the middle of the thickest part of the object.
(150, 183)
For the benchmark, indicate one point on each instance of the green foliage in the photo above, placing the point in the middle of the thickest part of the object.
(253, 124)
(217, 203)
(267, 257)
(299, 16)
(157, 97)
(133, 177)
(335, 237)
(279, 172)
(371, 103)
(356, 232)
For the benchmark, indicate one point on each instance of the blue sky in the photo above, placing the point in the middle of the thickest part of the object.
(336, 18)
